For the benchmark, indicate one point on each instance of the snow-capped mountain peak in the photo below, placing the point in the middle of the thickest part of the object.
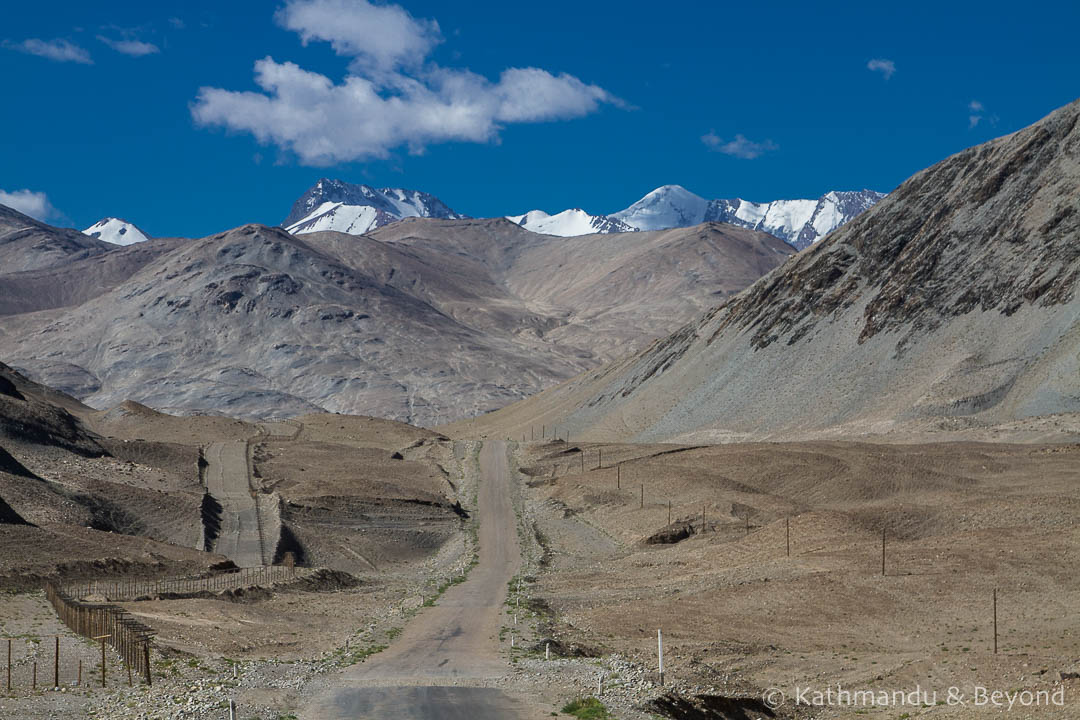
(665, 207)
(799, 222)
(568, 223)
(116, 231)
(357, 209)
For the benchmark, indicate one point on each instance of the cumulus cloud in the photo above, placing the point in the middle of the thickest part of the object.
(392, 97)
(58, 50)
(34, 204)
(883, 66)
(135, 48)
(379, 37)
(740, 147)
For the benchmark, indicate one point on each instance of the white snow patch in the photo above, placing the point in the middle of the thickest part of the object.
(116, 231)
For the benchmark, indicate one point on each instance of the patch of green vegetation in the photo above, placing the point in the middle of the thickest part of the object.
(361, 654)
(587, 709)
(393, 633)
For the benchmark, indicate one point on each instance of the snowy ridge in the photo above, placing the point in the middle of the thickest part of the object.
(357, 209)
(116, 231)
(568, 223)
(800, 222)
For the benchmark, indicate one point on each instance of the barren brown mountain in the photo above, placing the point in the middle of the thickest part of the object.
(424, 320)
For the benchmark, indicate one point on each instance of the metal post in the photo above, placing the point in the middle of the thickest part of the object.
(56, 664)
(80, 674)
(995, 622)
(883, 552)
(146, 659)
(660, 653)
(599, 458)
(669, 511)
(787, 528)
(103, 660)
(9, 664)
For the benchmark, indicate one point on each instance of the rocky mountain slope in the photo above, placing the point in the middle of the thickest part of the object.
(28, 244)
(423, 320)
(116, 231)
(952, 303)
(356, 209)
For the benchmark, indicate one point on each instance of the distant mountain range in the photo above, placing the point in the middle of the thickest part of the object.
(357, 209)
(340, 206)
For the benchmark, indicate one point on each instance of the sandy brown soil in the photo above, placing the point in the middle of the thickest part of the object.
(740, 616)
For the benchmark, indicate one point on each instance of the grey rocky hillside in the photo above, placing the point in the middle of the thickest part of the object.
(953, 302)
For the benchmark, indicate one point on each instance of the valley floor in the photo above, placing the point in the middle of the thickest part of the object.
(597, 567)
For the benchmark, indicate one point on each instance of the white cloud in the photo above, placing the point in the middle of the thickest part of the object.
(740, 147)
(34, 204)
(883, 66)
(378, 37)
(135, 48)
(177, 23)
(392, 96)
(58, 50)
(977, 113)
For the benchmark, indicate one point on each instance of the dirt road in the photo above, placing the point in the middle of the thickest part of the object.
(227, 480)
(426, 673)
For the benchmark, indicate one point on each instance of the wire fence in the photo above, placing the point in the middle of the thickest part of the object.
(31, 662)
(108, 625)
(131, 590)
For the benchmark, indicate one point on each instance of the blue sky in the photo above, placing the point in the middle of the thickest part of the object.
(499, 108)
